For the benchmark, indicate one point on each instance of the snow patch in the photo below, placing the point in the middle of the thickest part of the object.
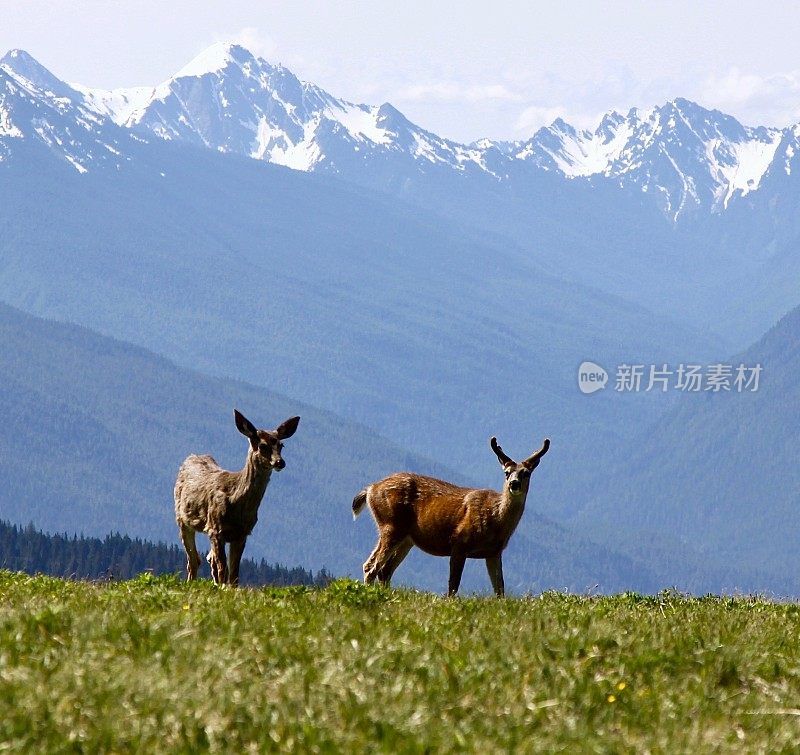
(580, 153)
(360, 122)
(751, 159)
(75, 163)
(7, 128)
(116, 104)
(424, 149)
(274, 146)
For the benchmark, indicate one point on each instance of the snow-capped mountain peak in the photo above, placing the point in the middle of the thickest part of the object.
(229, 100)
(216, 58)
(682, 153)
(31, 73)
(684, 156)
(38, 110)
(232, 101)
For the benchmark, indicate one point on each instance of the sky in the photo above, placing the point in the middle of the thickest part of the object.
(464, 70)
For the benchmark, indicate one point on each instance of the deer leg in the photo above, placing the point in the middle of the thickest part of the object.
(377, 562)
(237, 548)
(369, 572)
(399, 552)
(218, 560)
(192, 559)
(457, 561)
(212, 565)
(494, 566)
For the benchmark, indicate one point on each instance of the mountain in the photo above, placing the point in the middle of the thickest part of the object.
(718, 472)
(434, 300)
(108, 424)
(685, 156)
(231, 101)
(682, 155)
(431, 333)
(41, 114)
(671, 208)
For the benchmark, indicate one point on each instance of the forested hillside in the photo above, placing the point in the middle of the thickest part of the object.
(108, 424)
(431, 332)
(118, 556)
(718, 472)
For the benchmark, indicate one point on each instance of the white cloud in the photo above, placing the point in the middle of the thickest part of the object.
(256, 41)
(772, 100)
(251, 38)
(534, 117)
(452, 91)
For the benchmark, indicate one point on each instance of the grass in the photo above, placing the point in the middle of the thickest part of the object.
(155, 665)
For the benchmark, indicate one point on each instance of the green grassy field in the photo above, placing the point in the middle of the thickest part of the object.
(156, 665)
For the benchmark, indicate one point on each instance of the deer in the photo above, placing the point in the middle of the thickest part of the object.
(443, 519)
(224, 505)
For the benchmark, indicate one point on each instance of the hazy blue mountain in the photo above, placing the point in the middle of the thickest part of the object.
(39, 114)
(94, 430)
(434, 335)
(229, 100)
(686, 157)
(436, 293)
(682, 155)
(656, 206)
(718, 472)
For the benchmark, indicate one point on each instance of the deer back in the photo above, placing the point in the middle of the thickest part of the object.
(435, 514)
(209, 497)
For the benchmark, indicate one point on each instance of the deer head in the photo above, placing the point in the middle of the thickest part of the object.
(518, 475)
(266, 445)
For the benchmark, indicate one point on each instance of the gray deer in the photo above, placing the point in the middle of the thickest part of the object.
(225, 504)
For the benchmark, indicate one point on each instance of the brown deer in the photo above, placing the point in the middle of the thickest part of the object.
(224, 504)
(445, 520)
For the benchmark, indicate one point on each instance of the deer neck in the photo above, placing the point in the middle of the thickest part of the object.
(253, 478)
(511, 505)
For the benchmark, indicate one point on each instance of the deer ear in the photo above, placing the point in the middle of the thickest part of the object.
(287, 429)
(244, 425)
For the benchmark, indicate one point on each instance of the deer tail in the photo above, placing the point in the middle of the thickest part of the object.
(359, 502)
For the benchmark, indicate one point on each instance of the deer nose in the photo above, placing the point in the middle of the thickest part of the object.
(513, 486)
(280, 464)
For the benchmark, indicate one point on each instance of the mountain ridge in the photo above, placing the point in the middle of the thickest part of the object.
(110, 427)
(686, 157)
(718, 471)
(432, 304)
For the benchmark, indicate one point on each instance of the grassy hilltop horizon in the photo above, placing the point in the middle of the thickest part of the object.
(156, 665)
